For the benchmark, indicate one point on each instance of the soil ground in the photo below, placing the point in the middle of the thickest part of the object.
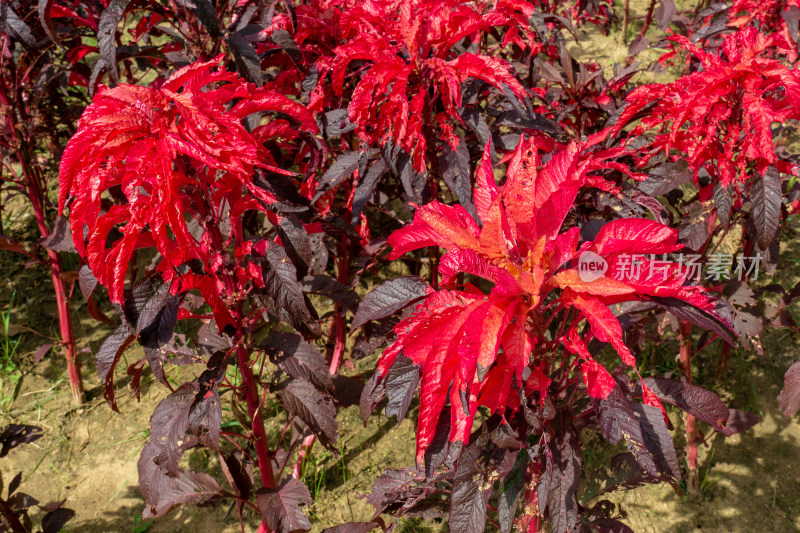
(88, 454)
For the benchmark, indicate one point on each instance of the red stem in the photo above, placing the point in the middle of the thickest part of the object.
(35, 188)
(62, 303)
(250, 386)
(722, 364)
(649, 18)
(259, 434)
(692, 481)
(625, 17)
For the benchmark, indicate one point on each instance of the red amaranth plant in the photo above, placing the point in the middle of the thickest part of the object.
(412, 68)
(720, 115)
(508, 340)
(172, 168)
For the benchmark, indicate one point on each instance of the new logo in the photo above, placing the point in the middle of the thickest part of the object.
(591, 267)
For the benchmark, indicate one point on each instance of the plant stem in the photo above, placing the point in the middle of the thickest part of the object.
(625, 18)
(648, 18)
(722, 364)
(692, 481)
(34, 183)
(532, 499)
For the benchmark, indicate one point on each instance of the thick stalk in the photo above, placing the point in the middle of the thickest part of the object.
(625, 17)
(62, 303)
(249, 382)
(67, 333)
(692, 479)
(259, 435)
(35, 186)
(339, 333)
(648, 18)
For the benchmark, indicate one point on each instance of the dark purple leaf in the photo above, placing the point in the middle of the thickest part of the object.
(720, 323)
(54, 521)
(15, 483)
(205, 414)
(693, 231)
(389, 487)
(562, 471)
(282, 508)
(86, 281)
(371, 396)
(331, 288)
(168, 428)
(248, 63)
(296, 243)
(347, 390)
(300, 359)
(60, 237)
(107, 356)
(287, 43)
(625, 473)
(610, 525)
(366, 186)
(455, 168)
(209, 341)
(305, 401)
(388, 298)
(373, 337)
(475, 472)
(21, 501)
(41, 352)
(723, 202)
(414, 183)
(46, 21)
(664, 13)
(503, 437)
(766, 197)
(14, 435)
(137, 298)
(162, 493)
(510, 492)
(155, 325)
(790, 15)
(106, 35)
(401, 384)
(638, 45)
(238, 473)
(280, 186)
(280, 277)
(337, 172)
(477, 124)
(335, 123)
(789, 398)
(135, 371)
(651, 204)
(645, 433)
(695, 400)
(440, 450)
(206, 13)
(15, 27)
(739, 421)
